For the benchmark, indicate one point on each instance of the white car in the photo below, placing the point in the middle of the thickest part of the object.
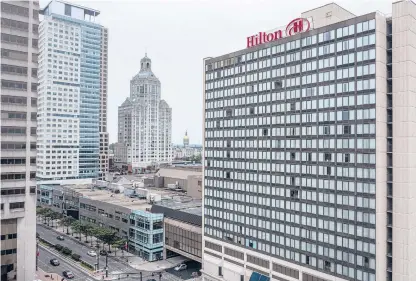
(92, 253)
(180, 267)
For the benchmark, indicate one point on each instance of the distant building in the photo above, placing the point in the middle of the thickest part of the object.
(186, 140)
(187, 179)
(186, 151)
(144, 123)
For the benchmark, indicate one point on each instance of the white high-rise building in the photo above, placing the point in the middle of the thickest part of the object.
(19, 67)
(72, 139)
(145, 123)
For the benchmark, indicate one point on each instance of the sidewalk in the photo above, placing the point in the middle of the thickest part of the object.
(143, 265)
(62, 230)
(42, 275)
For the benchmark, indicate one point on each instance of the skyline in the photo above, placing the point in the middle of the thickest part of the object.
(178, 51)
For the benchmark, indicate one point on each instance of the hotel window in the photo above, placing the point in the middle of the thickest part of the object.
(326, 36)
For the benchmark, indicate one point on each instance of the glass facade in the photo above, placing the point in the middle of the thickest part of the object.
(146, 235)
(290, 150)
(69, 97)
(45, 194)
(90, 93)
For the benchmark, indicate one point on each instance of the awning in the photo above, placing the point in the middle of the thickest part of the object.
(258, 277)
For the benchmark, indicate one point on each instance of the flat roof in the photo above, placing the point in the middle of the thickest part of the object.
(185, 204)
(332, 3)
(87, 10)
(90, 192)
(179, 167)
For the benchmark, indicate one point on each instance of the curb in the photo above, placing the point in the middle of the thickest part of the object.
(118, 259)
(68, 260)
(66, 235)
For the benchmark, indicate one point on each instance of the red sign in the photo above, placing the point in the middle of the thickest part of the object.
(295, 26)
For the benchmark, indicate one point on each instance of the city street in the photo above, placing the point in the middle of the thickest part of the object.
(44, 263)
(113, 265)
(118, 269)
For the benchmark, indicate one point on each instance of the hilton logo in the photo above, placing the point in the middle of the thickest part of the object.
(295, 26)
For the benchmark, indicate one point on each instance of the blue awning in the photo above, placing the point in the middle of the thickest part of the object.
(258, 277)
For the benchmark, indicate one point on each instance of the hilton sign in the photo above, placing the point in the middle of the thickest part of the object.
(295, 26)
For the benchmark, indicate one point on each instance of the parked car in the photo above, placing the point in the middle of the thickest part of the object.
(180, 267)
(92, 253)
(151, 279)
(60, 237)
(54, 262)
(68, 274)
(103, 253)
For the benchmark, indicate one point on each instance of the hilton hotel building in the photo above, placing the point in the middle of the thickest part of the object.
(309, 151)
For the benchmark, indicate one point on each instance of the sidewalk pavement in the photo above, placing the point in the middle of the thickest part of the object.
(143, 265)
(63, 230)
(42, 275)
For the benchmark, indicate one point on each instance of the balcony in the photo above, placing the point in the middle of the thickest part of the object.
(389, 59)
(389, 235)
(389, 205)
(389, 220)
(389, 189)
(389, 118)
(389, 29)
(389, 162)
(389, 177)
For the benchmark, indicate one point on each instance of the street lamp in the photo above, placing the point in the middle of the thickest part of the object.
(98, 262)
(106, 265)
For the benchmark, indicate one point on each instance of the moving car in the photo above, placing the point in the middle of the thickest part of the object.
(92, 253)
(103, 252)
(54, 262)
(60, 237)
(68, 274)
(180, 267)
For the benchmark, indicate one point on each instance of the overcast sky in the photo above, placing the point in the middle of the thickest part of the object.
(179, 34)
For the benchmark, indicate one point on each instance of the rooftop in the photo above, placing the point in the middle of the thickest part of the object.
(184, 167)
(184, 204)
(119, 199)
(87, 11)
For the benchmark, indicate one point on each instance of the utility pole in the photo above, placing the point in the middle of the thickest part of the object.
(106, 265)
(98, 262)
(141, 278)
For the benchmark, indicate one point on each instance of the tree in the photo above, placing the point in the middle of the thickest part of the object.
(43, 213)
(66, 221)
(54, 216)
(76, 228)
(108, 236)
(39, 212)
(86, 228)
(47, 215)
(117, 244)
